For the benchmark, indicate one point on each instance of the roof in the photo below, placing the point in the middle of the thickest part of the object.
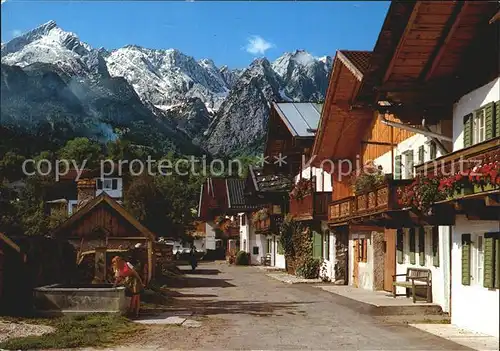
(104, 198)
(301, 118)
(269, 183)
(357, 61)
(9, 242)
(236, 194)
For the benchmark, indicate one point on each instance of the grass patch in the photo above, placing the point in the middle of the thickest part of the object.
(76, 331)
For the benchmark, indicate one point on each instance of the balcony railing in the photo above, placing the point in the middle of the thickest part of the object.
(478, 164)
(268, 225)
(311, 206)
(381, 199)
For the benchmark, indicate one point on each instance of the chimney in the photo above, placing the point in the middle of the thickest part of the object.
(86, 192)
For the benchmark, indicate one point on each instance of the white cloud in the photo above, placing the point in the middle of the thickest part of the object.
(3, 1)
(16, 32)
(258, 45)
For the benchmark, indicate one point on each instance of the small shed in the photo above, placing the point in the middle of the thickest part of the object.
(12, 261)
(102, 224)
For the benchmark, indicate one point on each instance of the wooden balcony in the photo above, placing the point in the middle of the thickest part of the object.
(312, 206)
(269, 225)
(365, 205)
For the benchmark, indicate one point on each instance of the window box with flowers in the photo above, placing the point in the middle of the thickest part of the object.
(301, 189)
(455, 186)
(260, 215)
(485, 177)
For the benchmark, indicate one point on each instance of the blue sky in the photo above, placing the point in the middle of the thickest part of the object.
(232, 33)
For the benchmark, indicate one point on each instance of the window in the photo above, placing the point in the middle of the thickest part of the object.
(433, 150)
(317, 245)
(362, 250)
(421, 154)
(107, 184)
(421, 246)
(481, 260)
(269, 245)
(400, 246)
(243, 219)
(478, 260)
(255, 250)
(412, 245)
(479, 126)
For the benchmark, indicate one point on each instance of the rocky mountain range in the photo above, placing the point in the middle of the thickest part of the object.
(52, 81)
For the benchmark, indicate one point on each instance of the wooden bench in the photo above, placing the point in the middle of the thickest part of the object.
(265, 260)
(415, 277)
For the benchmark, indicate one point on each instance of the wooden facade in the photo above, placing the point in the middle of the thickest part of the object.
(103, 223)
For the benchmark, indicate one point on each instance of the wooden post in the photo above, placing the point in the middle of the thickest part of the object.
(100, 265)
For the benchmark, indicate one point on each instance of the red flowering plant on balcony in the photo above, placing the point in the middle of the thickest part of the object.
(449, 185)
(421, 193)
(486, 174)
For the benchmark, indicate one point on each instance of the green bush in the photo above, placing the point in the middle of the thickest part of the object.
(242, 258)
(309, 269)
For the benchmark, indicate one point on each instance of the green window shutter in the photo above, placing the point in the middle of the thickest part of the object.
(421, 246)
(489, 113)
(466, 248)
(497, 118)
(317, 244)
(435, 246)
(497, 263)
(397, 168)
(421, 154)
(433, 150)
(489, 261)
(412, 245)
(399, 246)
(468, 130)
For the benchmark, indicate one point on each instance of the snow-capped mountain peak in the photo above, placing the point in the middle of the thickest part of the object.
(173, 85)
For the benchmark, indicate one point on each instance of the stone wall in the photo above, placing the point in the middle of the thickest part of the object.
(378, 260)
(341, 255)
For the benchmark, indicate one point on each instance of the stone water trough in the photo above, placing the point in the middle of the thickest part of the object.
(75, 299)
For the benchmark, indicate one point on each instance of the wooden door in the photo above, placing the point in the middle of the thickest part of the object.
(390, 258)
(355, 262)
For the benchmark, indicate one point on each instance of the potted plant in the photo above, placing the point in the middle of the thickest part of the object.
(367, 178)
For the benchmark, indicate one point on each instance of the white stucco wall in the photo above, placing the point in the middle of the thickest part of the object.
(323, 179)
(472, 307)
(365, 269)
(277, 260)
(440, 275)
(244, 232)
(469, 103)
(412, 143)
(210, 235)
(257, 240)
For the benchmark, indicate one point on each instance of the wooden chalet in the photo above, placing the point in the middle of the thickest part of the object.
(424, 92)
(102, 226)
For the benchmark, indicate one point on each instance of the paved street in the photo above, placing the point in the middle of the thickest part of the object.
(242, 308)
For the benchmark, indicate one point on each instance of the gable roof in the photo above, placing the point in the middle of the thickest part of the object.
(301, 118)
(340, 125)
(357, 61)
(236, 194)
(104, 198)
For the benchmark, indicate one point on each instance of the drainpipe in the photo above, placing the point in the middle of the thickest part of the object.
(415, 130)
